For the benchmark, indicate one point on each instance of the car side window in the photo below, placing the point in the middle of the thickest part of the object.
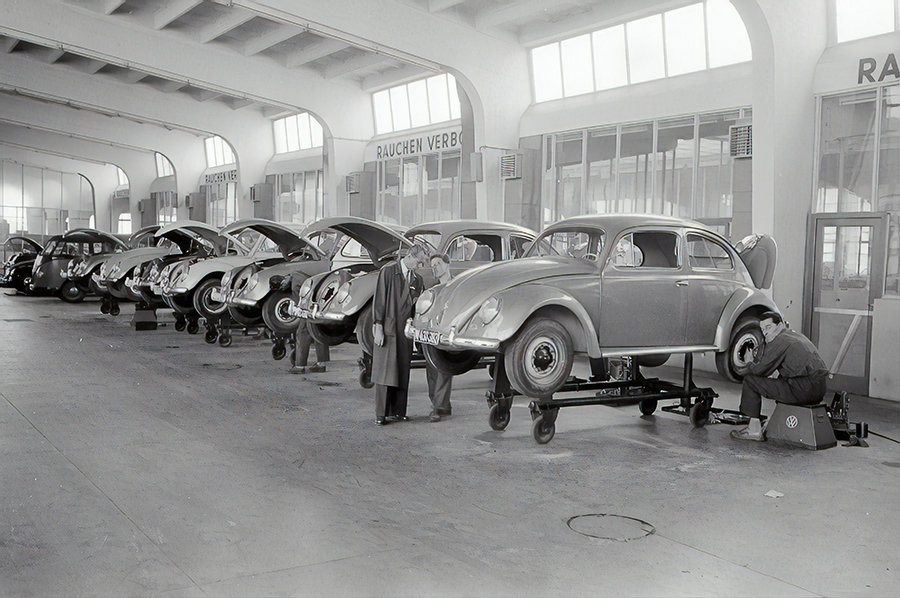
(705, 253)
(474, 248)
(650, 249)
(517, 246)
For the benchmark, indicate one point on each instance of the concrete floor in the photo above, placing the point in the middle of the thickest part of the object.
(153, 464)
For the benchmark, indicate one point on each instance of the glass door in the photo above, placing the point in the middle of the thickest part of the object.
(847, 277)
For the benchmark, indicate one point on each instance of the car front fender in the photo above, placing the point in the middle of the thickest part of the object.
(740, 302)
(362, 289)
(520, 303)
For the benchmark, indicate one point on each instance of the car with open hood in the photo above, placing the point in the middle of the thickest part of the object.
(606, 286)
(468, 244)
(258, 290)
(19, 253)
(190, 283)
(51, 272)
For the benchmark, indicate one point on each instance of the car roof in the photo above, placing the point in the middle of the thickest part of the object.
(612, 223)
(92, 235)
(452, 227)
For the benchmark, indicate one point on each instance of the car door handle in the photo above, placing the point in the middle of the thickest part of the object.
(681, 283)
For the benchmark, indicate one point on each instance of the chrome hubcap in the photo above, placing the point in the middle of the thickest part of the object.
(543, 357)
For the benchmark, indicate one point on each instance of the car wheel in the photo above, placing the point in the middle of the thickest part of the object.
(249, 316)
(453, 363)
(275, 313)
(745, 337)
(70, 293)
(540, 357)
(331, 335)
(204, 303)
(364, 335)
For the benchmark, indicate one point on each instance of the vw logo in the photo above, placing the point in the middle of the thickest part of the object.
(792, 422)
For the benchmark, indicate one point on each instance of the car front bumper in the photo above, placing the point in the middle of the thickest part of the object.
(450, 341)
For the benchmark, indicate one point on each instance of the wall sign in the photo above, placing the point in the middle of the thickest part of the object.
(418, 145)
(871, 70)
(226, 176)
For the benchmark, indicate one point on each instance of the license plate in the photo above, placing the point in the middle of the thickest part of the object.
(427, 337)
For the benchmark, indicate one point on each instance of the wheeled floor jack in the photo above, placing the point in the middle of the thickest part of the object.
(220, 330)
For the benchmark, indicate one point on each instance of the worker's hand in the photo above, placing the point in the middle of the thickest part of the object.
(378, 333)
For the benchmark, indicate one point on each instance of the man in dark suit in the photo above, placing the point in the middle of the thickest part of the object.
(396, 292)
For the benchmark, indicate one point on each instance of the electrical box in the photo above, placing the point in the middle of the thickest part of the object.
(360, 189)
(262, 195)
(196, 204)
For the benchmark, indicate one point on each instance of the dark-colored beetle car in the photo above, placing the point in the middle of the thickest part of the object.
(50, 274)
(20, 253)
(606, 286)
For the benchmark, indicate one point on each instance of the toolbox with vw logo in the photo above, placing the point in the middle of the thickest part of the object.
(807, 426)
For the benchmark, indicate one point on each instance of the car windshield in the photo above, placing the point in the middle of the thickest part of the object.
(583, 244)
(432, 240)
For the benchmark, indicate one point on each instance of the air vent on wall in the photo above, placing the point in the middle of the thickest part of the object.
(122, 193)
(740, 139)
(351, 182)
(511, 166)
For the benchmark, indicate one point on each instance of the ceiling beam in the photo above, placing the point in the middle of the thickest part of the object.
(91, 66)
(109, 6)
(271, 38)
(391, 77)
(203, 95)
(439, 5)
(238, 103)
(173, 10)
(233, 19)
(497, 15)
(131, 76)
(53, 54)
(170, 86)
(354, 64)
(275, 112)
(8, 44)
(314, 52)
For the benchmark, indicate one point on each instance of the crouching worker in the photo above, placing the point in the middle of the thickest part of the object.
(304, 340)
(801, 374)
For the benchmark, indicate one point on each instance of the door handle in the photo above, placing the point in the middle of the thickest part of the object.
(681, 283)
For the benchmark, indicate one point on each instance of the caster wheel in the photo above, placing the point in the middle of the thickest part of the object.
(210, 337)
(114, 310)
(104, 307)
(193, 328)
(498, 418)
(225, 340)
(648, 407)
(180, 325)
(542, 430)
(278, 352)
(365, 379)
(699, 414)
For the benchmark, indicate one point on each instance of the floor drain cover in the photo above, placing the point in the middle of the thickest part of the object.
(222, 367)
(605, 526)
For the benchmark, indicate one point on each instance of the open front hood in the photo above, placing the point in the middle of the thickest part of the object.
(30, 242)
(183, 232)
(147, 231)
(380, 240)
(288, 238)
(90, 235)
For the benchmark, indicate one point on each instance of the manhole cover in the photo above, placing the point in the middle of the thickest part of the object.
(605, 526)
(222, 367)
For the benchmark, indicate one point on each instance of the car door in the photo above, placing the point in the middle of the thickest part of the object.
(643, 292)
(712, 281)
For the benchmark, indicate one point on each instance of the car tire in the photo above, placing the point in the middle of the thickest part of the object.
(745, 336)
(275, 315)
(245, 316)
(331, 335)
(70, 293)
(539, 358)
(453, 363)
(364, 335)
(204, 304)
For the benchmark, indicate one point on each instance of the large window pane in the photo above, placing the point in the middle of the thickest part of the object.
(674, 167)
(418, 104)
(381, 102)
(293, 134)
(438, 100)
(601, 159)
(280, 136)
(400, 108)
(547, 73)
(610, 67)
(713, 196)
(305, 133)
(409, 200)
(635, 168)
(454, 97)
(645, 49)
(389, 208)
(685, 43)
(569, 174)
(847, 144)
(728, 39)
(578, 76)
(855, 19)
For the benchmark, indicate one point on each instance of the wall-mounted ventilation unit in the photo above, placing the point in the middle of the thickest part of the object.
(511, 166)
(740, 140)
(351, 182)
(122, 193)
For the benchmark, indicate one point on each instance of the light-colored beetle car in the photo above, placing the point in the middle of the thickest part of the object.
(248, 287)
(607, 286)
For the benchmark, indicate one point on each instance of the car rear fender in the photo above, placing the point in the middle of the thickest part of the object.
(519, 307)
(742, 302)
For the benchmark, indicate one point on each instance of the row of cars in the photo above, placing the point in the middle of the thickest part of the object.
(612, 286)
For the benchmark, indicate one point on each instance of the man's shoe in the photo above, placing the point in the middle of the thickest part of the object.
(402, 418)
(746, 434)
(381, 421)
(298, 369)
(316, 368)
(435, 416)
(443, 411)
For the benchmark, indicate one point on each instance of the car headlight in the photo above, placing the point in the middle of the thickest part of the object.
(254, 280)
(343, 294)
(179, 273)
(137, 272)
(115, 271)
(226, 279)
(425, 301)
(306, 287)
(489, 310)
(102, 270)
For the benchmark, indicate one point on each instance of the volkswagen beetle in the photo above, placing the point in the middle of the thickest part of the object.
(20, 253)
(606, 286)
(54, 271)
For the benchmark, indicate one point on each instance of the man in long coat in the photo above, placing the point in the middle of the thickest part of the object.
(396, 292)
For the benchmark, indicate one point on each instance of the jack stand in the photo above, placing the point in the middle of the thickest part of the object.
(144, 317)
(844, 429)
